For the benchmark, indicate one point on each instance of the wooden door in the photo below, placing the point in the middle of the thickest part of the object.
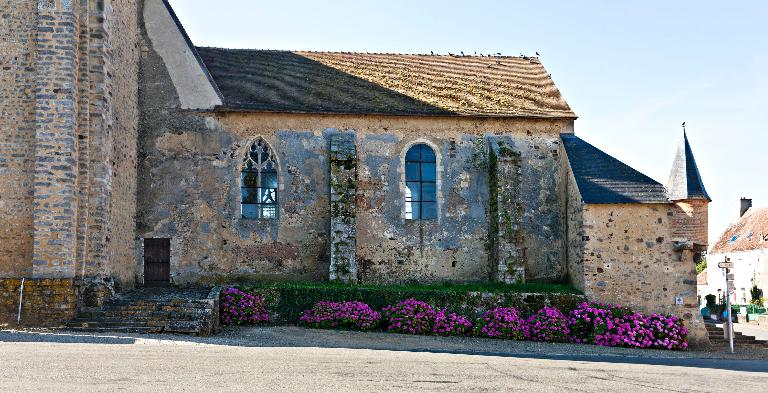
(157, 262)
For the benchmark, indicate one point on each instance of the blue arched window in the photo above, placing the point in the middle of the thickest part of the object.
(259, 182)
(420, 183)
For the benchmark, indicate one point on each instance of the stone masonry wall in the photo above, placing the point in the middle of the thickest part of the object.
(690, 221)
(575, 230)
(56, 89)
(505, 211)
(343, 189)
(18, 29)
(57, 156)
(121, 27)
(45, 302)
(630, 258)
(189, 191)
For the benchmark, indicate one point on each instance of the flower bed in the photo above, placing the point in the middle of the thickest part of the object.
(588, 323)
(409, 316)
(241, 308)
(502, 322)
(548, 324)
(347, 315)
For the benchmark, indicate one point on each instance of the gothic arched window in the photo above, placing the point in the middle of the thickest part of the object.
(420, 183)
(259, 182)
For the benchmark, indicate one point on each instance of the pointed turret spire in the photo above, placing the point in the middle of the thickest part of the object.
(685, 181)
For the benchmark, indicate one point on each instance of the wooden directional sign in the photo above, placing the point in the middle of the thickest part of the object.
(725, 265)
(729, 277)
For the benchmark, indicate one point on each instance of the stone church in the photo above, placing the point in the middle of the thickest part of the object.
(130, 157)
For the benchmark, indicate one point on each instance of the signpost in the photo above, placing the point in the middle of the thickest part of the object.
(727, 265)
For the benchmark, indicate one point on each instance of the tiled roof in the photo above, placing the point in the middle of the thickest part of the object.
(603, 179)
(684, 180)
(750, 232)
(372, 83)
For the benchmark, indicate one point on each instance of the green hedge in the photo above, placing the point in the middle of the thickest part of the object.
(285, 302)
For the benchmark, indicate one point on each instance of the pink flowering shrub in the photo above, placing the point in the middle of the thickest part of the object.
(452, 324)
(589, 322)
(667, 332)
(409, 316)
(241, 308)
(548, 324)
(609, 325)
(348, 315)
(502, 322)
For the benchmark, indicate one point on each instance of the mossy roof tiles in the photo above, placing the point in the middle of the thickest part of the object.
(390, 84)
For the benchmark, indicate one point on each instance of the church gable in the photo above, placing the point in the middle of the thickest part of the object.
(194, 86)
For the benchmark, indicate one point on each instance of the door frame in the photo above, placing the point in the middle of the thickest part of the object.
(168, 244)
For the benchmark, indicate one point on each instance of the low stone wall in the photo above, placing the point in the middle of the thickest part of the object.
(46, 302)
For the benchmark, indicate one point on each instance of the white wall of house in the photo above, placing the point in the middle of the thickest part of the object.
(750, 268)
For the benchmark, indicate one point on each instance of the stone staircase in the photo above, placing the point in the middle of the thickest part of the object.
(740, 341)
(154, 310)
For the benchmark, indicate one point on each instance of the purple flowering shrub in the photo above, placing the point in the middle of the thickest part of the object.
(348, 315)
(451, 324)
(609, 325)
(548, 324)
(241, 308)
(409, 316)
(667, 332)
(591, 322)
(502, 322)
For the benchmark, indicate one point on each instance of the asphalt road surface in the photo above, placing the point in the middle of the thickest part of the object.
(118, 364)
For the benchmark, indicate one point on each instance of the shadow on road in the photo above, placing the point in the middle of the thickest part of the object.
(293, 337)
(63, 338)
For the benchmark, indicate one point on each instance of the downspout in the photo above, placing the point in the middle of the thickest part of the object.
(21, 298)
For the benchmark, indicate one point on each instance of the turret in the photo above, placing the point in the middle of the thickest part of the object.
(686, 190)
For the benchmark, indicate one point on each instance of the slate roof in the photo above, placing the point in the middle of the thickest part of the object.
(603, 179)
(373, 83)
(750, 232)
(685, 180)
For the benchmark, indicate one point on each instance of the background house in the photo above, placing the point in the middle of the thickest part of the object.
(746, 243)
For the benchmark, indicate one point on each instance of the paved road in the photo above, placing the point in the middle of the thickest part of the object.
(71, 363)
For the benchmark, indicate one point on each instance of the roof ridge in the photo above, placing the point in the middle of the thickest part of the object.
(490, 56)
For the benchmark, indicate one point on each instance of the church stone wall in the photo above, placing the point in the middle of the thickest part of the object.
(68, 112)
(574, 220)
(189, 191)
(17, 135)
(629, 258)
(691, 222)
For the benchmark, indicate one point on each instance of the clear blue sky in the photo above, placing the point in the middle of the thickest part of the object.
(632, 71)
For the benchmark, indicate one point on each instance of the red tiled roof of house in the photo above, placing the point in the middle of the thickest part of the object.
(750, 232)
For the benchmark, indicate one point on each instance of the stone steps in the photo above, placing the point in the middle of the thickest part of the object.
(740, 340)
(153, 310)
